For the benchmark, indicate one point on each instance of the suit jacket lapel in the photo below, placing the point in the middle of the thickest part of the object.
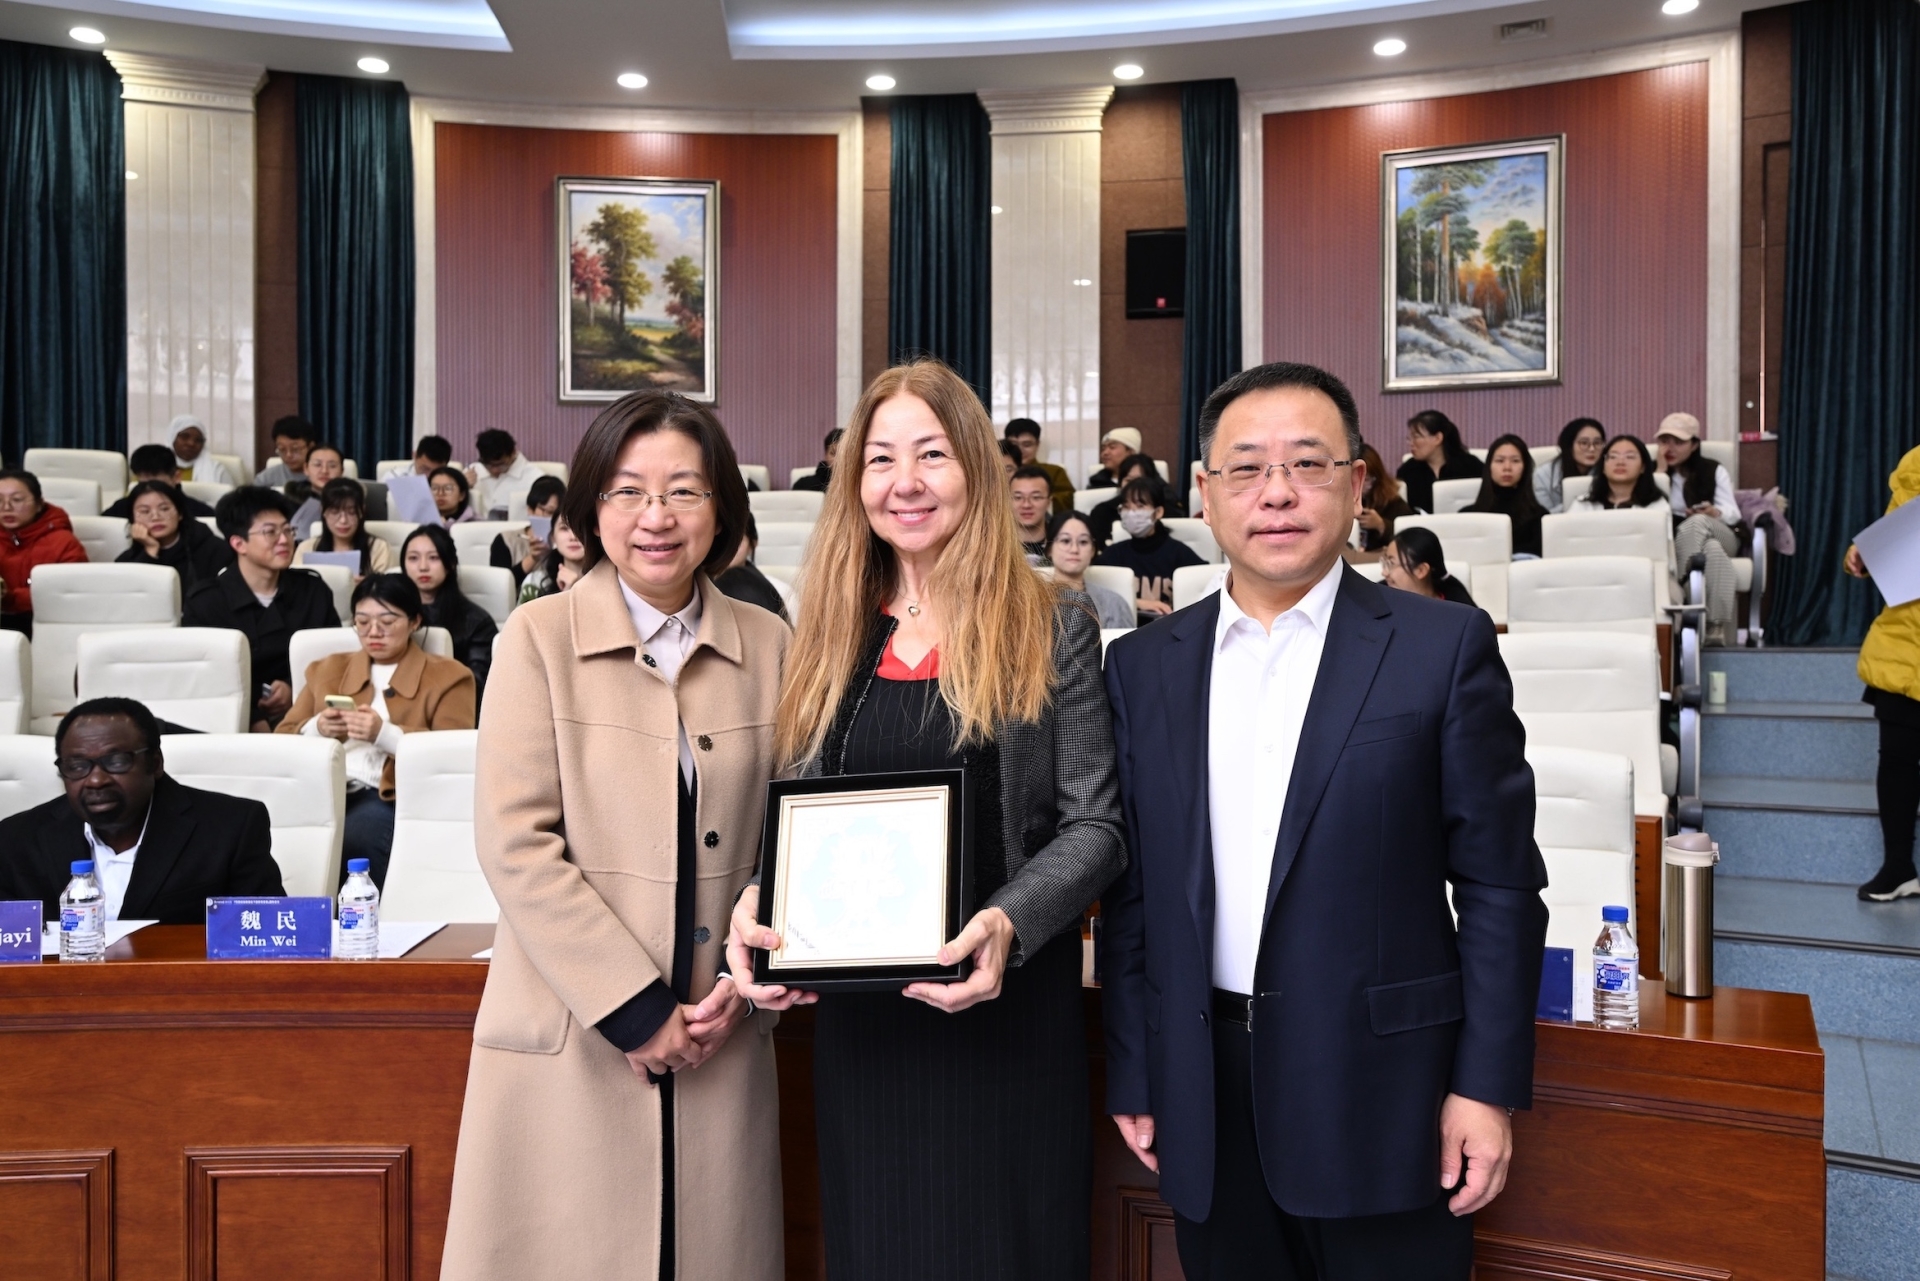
(168, 827)
(1186, 675)
(1357, 633)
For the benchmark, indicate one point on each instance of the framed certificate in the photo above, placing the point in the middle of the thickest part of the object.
(865, 877)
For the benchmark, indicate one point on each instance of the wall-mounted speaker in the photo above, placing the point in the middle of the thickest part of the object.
(1157, 273)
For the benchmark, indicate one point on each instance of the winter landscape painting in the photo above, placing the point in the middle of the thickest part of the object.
(1472, 253)
(638, 266)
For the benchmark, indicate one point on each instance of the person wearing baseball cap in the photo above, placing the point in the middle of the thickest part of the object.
(1118, 445)
(1704, 514)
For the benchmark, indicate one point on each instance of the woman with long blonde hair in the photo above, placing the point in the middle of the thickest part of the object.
(952, 1123)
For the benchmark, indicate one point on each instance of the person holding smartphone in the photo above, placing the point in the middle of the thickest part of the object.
(523, 552)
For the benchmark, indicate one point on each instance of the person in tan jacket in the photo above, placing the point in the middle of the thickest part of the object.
(621, 1115)
(397, 688)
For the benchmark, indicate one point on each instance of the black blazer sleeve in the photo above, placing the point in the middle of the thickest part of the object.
(1123, 938)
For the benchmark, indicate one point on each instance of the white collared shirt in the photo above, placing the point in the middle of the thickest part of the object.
(115, 869)
(492, 491)
(667, 639)
(1256, 703)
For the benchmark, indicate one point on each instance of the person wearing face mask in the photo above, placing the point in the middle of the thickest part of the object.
(1580, 444)
(1105, 515)
(1150, 551)
(160, 534)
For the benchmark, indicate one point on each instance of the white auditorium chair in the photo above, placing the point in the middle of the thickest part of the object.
(1633, 531)
(393, 533)
(1543, 455)
(797, 474)
(311, 644)
(756, 474)
(1117, 579)
(212, 525)
(491, 589)
(1478, 547)
(1195, 533)
(386, 467)
(1481, 454)
(241, 473)
(71, 600)
(1449, 496)
(103, 467)
(1196, 582)
(1108, 635)
(206, 491)
(1367, 569)
(27, 776)
(782, 542)
(74, 497)
(339, 581)
(197, 677)
(786, 581)
(16, 683)
(300, 778)
(551, 468)
(1583, 824)
(104, 537)
(1085, 500)
(786, 504)
(1598, 691)
(435, 874)
(348, 467)
(1727, 454)
(1582, 594)
(473, 540)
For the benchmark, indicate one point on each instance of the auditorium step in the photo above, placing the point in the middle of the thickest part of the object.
(1790, 740)
(1860, 962)
(1788, 675)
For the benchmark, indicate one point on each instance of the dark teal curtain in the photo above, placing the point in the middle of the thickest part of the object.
(1210, 341)
(1850, 350)
(63, 251)
(355, 160)
(940, 267)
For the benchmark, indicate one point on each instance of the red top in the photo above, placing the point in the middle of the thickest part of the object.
(893, 669)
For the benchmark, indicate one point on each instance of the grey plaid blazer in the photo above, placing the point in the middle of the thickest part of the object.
(1062, 832)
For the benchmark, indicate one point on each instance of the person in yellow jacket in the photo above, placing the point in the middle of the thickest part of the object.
(1890, 665)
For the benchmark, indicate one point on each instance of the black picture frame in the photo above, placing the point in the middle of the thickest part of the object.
(957, 880)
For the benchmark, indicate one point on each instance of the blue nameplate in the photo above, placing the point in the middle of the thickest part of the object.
(20, 930)
(1556, 986)
(274, 929)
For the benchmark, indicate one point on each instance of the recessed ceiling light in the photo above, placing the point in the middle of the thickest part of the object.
(880, 83)
(1675, 8)
(995, 209)
(631, 80)
(87, 35)
(1082, 282)
(132, 176)
(1128, 71)
(1391, 47)
(373, 66)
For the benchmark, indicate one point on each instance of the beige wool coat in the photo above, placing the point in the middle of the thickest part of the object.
(558, 1171)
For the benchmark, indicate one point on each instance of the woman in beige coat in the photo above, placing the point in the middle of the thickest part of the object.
(625, 748)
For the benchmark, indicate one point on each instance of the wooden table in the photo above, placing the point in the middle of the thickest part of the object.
(297, 1120)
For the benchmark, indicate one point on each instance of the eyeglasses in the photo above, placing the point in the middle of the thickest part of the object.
(75, 768)
(1314, 471)
(633, 500)
(16, 500)
(272, 533)
(378, 626)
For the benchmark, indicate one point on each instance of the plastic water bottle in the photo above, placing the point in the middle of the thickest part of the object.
(83, 916)
(1616, 973)
(359, 915)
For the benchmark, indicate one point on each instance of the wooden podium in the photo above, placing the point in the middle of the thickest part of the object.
(164, 1114)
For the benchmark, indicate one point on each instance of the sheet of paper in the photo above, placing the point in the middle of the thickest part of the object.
(116, 930)
(484, 954)
(397, 938)
(1891, 548)
(349, 561)
(409, 499)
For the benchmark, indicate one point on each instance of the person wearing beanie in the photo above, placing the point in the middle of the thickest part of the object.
(1118, 445)
(1704, 515)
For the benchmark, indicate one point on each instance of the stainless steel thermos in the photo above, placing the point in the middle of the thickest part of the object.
(1686, 913)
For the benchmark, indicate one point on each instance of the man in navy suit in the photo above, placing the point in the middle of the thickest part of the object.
(1317, 1058)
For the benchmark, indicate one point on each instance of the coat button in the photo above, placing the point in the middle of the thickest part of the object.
(706, 744)
(648, 660)
(702, 934)
(713, 839)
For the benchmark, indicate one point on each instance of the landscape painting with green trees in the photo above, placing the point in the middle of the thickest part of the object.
(1472, 238)
(637, 270)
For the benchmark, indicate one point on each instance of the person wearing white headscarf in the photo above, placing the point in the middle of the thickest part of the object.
(190, 454)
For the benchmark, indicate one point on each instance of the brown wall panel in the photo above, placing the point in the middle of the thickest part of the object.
(876, 233)
(1634, 284)
(497, 265)
(343, 1211)
(1141, 187)
(1766, 129)
(276, 268)
(56, 1215)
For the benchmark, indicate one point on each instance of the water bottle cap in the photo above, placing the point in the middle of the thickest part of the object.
(83, 867)
(1614, 914)
(356, 865)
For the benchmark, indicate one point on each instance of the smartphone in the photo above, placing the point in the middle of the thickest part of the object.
(339, 702)
(542, 527)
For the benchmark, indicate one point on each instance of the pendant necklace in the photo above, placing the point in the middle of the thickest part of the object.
(913, 608)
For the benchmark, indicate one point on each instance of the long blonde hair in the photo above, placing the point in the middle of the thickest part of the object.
(996, 653)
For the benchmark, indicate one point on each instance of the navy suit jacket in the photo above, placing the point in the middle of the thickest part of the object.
(1371, 1004)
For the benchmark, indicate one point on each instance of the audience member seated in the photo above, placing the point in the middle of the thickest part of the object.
(1381, 502)
(430, 452)
(162, 534)
(429, 559)
(1580, 444)
(293, 436)
(1032, 494)
(160, 848)
(561, 567)
(343, 528)
(396, 688)
(1116, 446)
(325, 464)
(1070, 548)
(1025, 435)
(500, 473)
(1438, 454)
(1152, 553)
(155, 462)
(1413, 563)
(823, 474)
(523, 552)
(32, 532)
(1507, 490)
(1101, 519)
(1623, 479)
(1010, 458)
(261, 595)
(742, 579)
(1704, 515)
(190, 456)
(452, 496)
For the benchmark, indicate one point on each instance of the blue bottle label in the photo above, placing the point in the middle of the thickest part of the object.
(1616, 975)
(354, 918)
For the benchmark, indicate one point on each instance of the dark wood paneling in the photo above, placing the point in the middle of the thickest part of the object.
(1766, 128)
(1634, 313)
(1648, 835)
(496, 265)
(1141, 186)
(876, 233)
(276, 263)
(1499, 1258)
(56, 1215)
(344, 1212)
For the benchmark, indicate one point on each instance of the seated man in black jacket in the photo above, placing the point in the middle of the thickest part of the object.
(261, 596)
(160, 848)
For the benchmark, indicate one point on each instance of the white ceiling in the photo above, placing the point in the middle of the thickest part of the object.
(569, 51)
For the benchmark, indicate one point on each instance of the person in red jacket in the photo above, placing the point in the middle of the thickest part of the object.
(31, 533)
